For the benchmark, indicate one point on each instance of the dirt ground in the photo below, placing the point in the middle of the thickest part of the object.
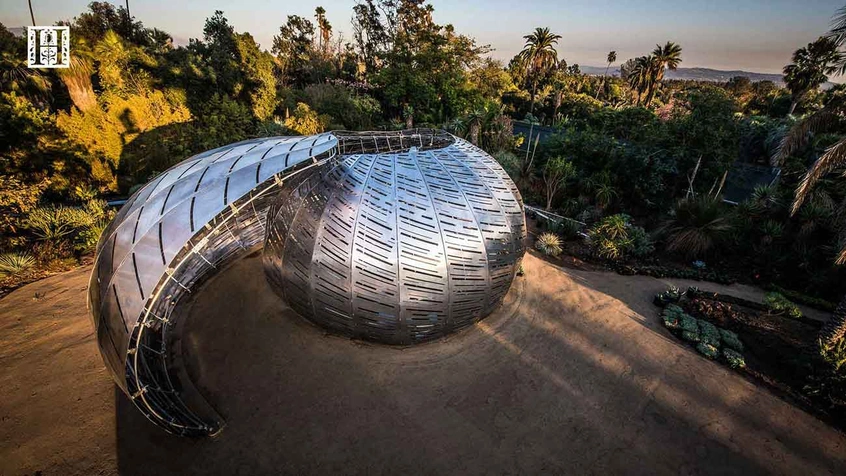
(573, 375)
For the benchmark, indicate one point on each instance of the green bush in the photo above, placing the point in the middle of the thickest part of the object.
(671, 315)
(548, 244)
(733, 358)
(731, 340)
(689, 323)
(777, 303)
(709, 333)
(642, 244)
(615, 238)
(690, 336)
(15, 264)
(707, 350)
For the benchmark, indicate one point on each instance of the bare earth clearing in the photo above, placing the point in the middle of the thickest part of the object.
(573, 375)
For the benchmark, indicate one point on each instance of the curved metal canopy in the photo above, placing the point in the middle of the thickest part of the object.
(179, 229)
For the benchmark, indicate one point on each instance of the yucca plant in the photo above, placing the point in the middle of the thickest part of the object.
(548, 244)
(696, 226)
(15, 264)
(52, 223)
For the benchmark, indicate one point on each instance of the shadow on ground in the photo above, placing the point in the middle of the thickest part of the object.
(572, 375)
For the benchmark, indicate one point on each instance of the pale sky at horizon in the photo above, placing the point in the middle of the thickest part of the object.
(756, 36)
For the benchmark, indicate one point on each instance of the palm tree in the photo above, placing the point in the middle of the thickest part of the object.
(538, 57)
(31, 14)
(612, 57)
(832, 159)
(663, 57)
(324, 27)
(811, 67)
(639, 74)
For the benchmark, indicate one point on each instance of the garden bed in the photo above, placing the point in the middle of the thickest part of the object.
(779, 352)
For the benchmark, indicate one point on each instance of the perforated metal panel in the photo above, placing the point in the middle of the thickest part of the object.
(400, 246)
(394, 236)
(170, 236)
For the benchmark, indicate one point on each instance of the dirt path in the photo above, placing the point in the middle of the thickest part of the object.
(573, 375)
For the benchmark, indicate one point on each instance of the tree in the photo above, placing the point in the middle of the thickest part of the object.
(638, 73)
(538, 57)
(324, 27)
(838, 34)
(663, 57)
(831, 160)
(257, 69)
(491, 79)
(612, 57)
(293, 47)
(556, 172)
(14, 73)
(810, 68)
(423, 71)
(370, 33)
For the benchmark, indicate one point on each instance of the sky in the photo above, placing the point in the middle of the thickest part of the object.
(756, 36)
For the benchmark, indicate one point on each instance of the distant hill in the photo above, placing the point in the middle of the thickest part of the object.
(695, 74)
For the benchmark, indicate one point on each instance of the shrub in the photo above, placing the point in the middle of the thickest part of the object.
(835, 355)
(731, 340)
(733, 358)
(642, 244)
(304, 121)
(671, 295)
(708, 333)
(569, 229)
(54, 223)
(707, 350)
(15, 264)
(48, 251)
(509, 162)
(690, 336)
(548, 244)
(777, 303)
(671, 315)
(688, 323)
(696, 226)
(614, 238)
(86, 240)
(520, 270)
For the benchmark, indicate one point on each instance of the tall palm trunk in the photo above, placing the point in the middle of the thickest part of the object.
(31, 14)
(604, 80)
(835, 328)
(534, 90)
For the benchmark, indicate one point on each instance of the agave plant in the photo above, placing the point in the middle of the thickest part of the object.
(548, 244)
(764, 199)
(696, 226)
(14, 264)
